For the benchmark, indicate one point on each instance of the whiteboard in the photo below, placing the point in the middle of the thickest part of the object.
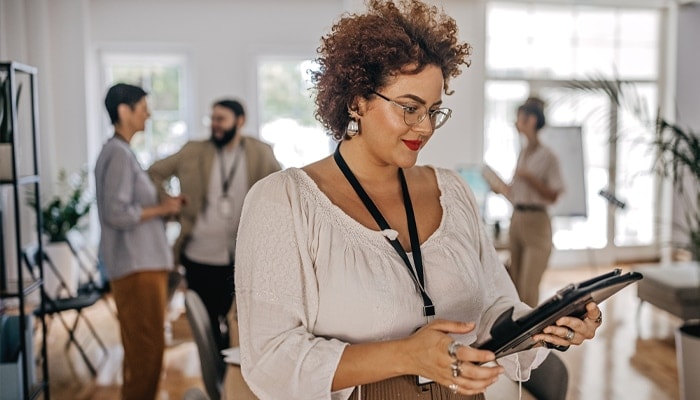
(566, 142)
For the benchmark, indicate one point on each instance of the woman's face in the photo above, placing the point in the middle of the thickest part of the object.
(136, 118)
(384, 133)
(525, 123)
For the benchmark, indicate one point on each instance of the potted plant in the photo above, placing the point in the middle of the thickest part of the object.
(676, 149)
(65, 210)
(60, 214)
(678, 157)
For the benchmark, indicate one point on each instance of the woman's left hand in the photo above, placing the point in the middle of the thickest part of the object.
(572, 330)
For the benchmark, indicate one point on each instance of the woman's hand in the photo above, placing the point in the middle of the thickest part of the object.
(171, 205)
(572, 330)
(430, 347)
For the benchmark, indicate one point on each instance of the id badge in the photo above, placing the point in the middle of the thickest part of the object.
(225, 207)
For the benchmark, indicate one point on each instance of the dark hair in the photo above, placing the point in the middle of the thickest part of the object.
(534, 106)
(233, 105)
(122, 93)
(363, 51)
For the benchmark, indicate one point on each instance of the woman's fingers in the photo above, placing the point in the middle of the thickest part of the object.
(572, 330)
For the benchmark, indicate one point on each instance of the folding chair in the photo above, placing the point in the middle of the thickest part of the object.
(66, 302)
(89, 264)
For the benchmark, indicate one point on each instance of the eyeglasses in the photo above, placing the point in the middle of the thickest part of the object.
(414, 114)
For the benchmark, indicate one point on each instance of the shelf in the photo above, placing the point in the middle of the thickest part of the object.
(13, 289)
(24, 168)
(24, 180)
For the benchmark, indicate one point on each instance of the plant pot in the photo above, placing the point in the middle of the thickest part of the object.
(5, 161)
(688, 358)
(67, 268)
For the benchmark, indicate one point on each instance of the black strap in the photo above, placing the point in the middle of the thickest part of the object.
(417, 275)
(226, 181)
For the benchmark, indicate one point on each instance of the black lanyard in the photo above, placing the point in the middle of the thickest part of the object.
(417, 275)
(226, 181)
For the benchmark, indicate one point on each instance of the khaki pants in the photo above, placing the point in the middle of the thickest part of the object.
(141, 300)
(405, 388)
(530, 239)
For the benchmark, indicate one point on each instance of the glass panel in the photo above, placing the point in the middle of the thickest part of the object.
(544, 41)
(501, 140)
(594, 60)
(589, 110)
(287, 113)
(638, 62)
(508, 50)
(639, 27)
(636, 222)
(162, 78)
(508, 56)
(596, 24)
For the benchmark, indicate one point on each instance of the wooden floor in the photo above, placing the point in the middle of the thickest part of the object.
(624, 362)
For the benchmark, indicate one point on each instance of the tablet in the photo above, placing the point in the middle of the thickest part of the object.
(494, 181)
(510, 336)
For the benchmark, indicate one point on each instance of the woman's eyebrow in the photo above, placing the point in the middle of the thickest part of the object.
(419, 99)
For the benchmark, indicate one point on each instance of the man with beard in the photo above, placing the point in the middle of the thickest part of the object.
(215, 175)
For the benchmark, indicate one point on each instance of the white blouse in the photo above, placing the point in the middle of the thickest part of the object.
(310, 280)
(544, 165)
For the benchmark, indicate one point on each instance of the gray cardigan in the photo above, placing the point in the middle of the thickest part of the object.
(127, 244)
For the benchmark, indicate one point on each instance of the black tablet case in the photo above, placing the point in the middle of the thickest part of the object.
(510, 336)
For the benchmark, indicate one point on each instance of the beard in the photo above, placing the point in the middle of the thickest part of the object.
(225, 139)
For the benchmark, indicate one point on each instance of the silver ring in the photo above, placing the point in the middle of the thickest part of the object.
(456, 368)
(453, 387)
(570, 335)
(452, 349)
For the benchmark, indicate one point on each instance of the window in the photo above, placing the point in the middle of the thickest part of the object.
(286, 105)
(162, 77)
(539, 49)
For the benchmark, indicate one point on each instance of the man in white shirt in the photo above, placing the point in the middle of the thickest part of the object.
(215, 175)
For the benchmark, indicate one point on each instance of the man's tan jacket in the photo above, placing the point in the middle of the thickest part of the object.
(192, 165)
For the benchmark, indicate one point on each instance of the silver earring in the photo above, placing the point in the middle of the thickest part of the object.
(353, 128)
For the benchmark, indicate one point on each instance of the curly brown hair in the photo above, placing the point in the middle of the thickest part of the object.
(363, 51)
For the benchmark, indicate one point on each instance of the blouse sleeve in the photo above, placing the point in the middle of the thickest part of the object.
(502, 296)
(120, 210)
(277, 298)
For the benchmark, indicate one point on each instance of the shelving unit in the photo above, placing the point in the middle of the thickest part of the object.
(23, 223)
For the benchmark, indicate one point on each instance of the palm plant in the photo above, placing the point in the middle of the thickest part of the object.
(679, 156)
(676, 149)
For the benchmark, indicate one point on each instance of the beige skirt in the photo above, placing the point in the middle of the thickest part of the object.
(404, 387)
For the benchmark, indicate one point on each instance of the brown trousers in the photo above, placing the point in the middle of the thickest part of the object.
(141, 300)
(405, 388)
(530, 238)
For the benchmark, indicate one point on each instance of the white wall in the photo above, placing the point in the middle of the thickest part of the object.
(222, 40)
(687, 107)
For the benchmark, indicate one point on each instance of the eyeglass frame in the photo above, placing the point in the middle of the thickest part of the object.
(406, 109)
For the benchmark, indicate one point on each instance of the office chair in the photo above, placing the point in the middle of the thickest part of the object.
(550, 380)
(57, 305)
(213, 366)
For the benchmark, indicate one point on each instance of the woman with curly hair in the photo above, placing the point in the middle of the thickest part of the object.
(360, 276)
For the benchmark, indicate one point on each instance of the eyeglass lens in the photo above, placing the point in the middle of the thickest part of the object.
(415, 114)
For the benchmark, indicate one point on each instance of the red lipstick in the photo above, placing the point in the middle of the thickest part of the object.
(413, 144)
